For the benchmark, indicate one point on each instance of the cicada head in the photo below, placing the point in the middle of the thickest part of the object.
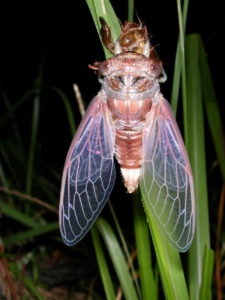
(130, 73)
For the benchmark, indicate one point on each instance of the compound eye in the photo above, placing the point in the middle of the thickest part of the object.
(156, 69)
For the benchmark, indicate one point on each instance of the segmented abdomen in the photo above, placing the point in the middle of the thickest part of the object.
(128, 148)
(129, 118)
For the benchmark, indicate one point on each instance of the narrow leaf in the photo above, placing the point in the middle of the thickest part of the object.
(117, 258)
(212, 110)
(196, 150)
(130, 17)
(207, 274)
(22, 236)
(169, 262)
(104, 270)
(30, 286)
(33, 137)
(177, 65)
(15, 214)
(104, 9)
(141, 230)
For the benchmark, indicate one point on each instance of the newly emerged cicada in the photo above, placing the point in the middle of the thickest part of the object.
(128, 119)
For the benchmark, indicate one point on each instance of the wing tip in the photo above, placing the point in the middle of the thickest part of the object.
(71, 243)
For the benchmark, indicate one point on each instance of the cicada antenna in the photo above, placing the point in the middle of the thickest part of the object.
(121, 24)
(139, 19)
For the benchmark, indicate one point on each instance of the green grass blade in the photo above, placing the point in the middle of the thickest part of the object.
(33, 138)
(207, 274)
(35, 122)
(130, 17)
(177, 66)
(183, 67)
(104, 9)
(32, 288)
(117, 258)
(196, 150)
(23, 236)
(27, 95)
(15, 214)
(104, 270)
(176, 82)
(9, 166)
(48, 191)
(212, 110)
(125, 248)
(16, 133)
(4, 182)
(148, 284)
(169, 262)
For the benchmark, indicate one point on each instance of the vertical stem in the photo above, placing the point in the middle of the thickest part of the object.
(197, 155)
(130, 10)
(177, 66)
(34, 128)
(183, 68)
(125, 248)
(218, 236)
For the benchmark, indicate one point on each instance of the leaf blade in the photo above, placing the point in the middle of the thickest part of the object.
(117, 258)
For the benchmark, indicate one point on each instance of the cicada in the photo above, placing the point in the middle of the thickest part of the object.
(130, 120)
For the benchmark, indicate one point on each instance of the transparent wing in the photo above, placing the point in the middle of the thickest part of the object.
(166, 178)
(89, 173)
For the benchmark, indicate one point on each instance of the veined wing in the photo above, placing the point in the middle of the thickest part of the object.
(89, 173)
(166, 178)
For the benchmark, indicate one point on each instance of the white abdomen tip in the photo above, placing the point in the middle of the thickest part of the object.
(131, 179)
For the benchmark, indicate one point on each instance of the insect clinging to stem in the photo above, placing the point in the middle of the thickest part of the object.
(129, 119)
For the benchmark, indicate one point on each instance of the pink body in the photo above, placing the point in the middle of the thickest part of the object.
(130, 86)
(129, 119)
